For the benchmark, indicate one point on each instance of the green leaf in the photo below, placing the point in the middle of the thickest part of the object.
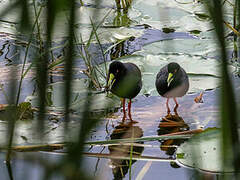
(24, 111)
(203, 151)
(168, 30)
(180, 156)
(101, 101)
(195, 31)
(202, 16)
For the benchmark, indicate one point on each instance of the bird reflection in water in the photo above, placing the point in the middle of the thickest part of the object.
(120, 167)
(171, 123)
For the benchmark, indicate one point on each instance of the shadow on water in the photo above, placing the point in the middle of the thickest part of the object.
(120, 167)
(171, 123)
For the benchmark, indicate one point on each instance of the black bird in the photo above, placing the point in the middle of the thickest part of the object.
(125, 81)
(172, 82)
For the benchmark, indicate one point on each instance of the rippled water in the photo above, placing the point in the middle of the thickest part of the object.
(149, 47)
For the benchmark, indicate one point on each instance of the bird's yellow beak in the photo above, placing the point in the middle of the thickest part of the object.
(111, 80)
(170, 78)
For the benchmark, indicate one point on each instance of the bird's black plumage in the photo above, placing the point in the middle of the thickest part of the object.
(127, 79)
(179, 84)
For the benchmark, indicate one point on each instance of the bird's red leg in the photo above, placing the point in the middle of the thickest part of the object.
(124, 111)
(175, 100)
(129, 109)
(168, 109)
(176, 106)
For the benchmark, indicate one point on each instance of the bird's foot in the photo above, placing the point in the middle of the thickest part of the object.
(133, 122)
(126, 121)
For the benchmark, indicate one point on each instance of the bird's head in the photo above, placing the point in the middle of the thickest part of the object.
(172, 71)
(115, 70)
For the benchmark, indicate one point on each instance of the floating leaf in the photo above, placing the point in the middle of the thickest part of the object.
(55, 92)
(203, 151)
(195, 31)
(202, 16)
(168, 30)
(180, 16)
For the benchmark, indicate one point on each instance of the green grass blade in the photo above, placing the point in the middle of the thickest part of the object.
(142, 139)
(92, 32)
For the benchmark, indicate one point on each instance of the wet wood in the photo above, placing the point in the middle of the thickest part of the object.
(3, 106)
(199, 98)
(45, 147)
(134, 157)
(171, 124)
(53, 147)
(195, 131)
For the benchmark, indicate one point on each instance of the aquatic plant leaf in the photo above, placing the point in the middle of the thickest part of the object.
(202, 16)
(180, 16)
(83, 26)
(203, 151)
(24, 111)
(24, 133)
(195, 31)
(101, 102)
(168, 30)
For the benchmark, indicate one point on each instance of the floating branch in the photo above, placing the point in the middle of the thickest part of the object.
(58, 146)
(177, 135)
(232, 28)
(44, 147)
(127, 157)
